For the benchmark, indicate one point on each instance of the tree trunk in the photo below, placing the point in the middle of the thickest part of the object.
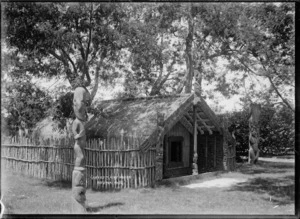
(198, 79)
(96, 85)
(189, 56)
(254, 133)
(158, 83)
(161, 80)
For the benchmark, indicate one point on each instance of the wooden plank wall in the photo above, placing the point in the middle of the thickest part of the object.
(179, 131)
(210, 152)
(115, 163)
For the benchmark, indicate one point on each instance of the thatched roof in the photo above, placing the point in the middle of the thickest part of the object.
(139, 116)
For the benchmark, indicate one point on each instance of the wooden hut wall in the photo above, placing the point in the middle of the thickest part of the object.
(202, 153)
(219, 151)
(210, 152)
(178, 130)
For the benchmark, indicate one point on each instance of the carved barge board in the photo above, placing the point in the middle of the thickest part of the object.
(186, 124)
(191, 121)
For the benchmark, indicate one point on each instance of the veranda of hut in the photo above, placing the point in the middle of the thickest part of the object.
(198, 130)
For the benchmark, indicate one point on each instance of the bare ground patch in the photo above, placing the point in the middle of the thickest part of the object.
(267, 188)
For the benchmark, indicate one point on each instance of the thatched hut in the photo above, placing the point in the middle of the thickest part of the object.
(177, 126)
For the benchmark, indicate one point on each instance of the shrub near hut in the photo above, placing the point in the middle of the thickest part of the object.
(276, 131)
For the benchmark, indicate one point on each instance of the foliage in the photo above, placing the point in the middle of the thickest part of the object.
(73, 40)
(153, 51)
(261, 45)
(156, 48)
(277, 131)
(62, 109)
(240, 119)
(25, 102)
(196, 35)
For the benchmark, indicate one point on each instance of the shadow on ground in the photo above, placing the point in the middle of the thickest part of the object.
(96, 208)
(280, 191)
(265, 167)
(58, 184)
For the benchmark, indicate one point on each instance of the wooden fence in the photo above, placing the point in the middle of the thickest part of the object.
(113, 163)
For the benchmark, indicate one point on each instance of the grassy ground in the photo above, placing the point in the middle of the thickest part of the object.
(268, 189)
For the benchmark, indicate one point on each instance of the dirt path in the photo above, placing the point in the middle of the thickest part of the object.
(275, 159)
(267, 188)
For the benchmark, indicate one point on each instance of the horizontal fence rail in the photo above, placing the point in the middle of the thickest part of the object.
(113, 163)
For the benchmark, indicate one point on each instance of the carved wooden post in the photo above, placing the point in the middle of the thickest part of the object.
(159, 148)
(254, 135)
(224, 124)
(195, 157)
(229, 144)
(197, 92)
(81, 101)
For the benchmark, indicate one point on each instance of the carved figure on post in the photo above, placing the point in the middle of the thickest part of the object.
(81, 102)
(255, 110)
(159, 148)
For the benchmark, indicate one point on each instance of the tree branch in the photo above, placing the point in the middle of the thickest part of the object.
(278, 93)
(216, 55)
(246, 66)
(94, 55)
(60, 58)
(95, 88)
(157, 84)
(80, 42)
(88, 78)
(270, 80)
(69, 58)
(70, 77)
(90, 34)
(169, 72)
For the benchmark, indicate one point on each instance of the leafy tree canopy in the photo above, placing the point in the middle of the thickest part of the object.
(26, 103)
(73, 40)
(157, 48)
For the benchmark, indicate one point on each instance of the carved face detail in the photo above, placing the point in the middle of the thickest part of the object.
(81, 102)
